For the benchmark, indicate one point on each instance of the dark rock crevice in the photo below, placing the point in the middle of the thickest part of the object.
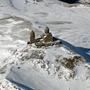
(70, 1)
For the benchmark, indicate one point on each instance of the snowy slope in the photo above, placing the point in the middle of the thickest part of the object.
(43, 69)
(69, 24)
(64, 20)
(41, 81)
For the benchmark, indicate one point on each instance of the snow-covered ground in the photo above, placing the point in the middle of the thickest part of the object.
(70, 24)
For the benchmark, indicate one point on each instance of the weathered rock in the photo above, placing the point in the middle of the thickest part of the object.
(72, 61)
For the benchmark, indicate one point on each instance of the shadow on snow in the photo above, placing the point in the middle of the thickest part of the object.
(79, 50)
(21, 85)
(85, 52)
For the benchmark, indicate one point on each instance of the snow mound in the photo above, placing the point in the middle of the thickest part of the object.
(37, 68)
(56, 61)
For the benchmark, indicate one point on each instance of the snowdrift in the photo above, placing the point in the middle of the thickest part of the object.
(40, 68)
(52, 59)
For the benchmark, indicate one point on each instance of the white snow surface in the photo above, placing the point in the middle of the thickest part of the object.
(85, 1)
(29, 77)
(71, 24)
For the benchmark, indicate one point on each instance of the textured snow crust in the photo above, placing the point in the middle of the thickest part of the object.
(45, 64)
(49, 60)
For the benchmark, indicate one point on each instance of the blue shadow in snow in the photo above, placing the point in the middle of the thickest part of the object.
(21, 85)
(79, 50)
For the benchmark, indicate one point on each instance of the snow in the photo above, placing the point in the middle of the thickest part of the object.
(84, 1)
(35, 80)
(70, 24)
(33, 60)
(19, 4)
